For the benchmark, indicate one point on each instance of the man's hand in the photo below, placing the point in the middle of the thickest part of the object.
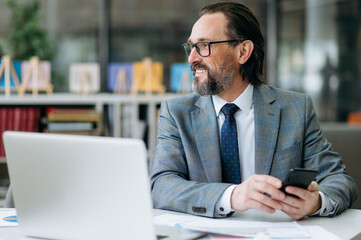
(260, 192)
(307, 203)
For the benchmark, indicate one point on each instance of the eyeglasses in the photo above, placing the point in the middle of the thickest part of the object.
(203, 48)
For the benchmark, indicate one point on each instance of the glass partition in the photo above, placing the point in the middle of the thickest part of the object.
(313, 46)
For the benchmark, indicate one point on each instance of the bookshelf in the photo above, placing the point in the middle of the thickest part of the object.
(100, 101)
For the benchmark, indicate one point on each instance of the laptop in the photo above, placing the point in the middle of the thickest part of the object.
(79, 187)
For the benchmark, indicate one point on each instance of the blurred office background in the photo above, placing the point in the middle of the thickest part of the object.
(313, 46)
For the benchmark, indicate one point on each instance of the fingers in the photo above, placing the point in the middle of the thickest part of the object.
(297, 208)
(244, 198)
(259, 192)
(301, 193)
(293, 212)
(303, 203)
(263, 192)
(267, 205)
(275, 182)
(313, 187)
(269, 190)
(294, 205)
(296, 192)
(268, 185)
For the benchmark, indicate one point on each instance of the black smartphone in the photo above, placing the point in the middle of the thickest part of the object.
(299, 177)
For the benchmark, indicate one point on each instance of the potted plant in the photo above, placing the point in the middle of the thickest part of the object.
(26, 37)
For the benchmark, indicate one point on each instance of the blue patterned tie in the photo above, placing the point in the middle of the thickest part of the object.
(229, 141)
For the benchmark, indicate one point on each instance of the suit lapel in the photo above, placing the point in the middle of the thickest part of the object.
(267, 119)
(205, 127)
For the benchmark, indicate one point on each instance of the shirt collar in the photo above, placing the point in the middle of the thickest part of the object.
(244, 101)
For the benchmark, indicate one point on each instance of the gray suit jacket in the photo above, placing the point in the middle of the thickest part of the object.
(186, 173)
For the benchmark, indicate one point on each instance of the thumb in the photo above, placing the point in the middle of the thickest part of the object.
(313, 187)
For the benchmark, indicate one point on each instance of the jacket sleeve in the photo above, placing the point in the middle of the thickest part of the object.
(332, 178)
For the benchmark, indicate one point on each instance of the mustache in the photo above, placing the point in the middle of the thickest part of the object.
(198, 65)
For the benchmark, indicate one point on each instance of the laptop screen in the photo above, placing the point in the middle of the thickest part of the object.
(80, 187)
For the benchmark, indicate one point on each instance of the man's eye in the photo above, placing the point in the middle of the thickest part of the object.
(202, 45)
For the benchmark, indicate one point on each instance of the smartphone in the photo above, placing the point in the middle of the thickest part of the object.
(299, 177)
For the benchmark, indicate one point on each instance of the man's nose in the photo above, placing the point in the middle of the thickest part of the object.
(194, 56)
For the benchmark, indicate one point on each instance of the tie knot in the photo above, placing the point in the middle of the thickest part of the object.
(229, 109)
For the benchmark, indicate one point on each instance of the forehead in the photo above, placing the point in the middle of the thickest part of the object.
(209, 27)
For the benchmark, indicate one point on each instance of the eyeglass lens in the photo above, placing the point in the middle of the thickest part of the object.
(201, 47)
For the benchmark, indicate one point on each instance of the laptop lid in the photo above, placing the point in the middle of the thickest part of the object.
(79, 187)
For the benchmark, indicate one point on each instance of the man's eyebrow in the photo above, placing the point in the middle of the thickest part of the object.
(199, 40)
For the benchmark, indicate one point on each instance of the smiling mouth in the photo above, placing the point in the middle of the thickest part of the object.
(201, 71)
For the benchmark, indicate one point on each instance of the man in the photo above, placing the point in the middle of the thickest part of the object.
(276, 130)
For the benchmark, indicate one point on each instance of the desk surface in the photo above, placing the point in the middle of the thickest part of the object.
(346, 225)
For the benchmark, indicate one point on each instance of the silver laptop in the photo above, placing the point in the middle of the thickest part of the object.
(79, 187)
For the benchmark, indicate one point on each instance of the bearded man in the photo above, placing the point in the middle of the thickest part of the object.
(227, 146)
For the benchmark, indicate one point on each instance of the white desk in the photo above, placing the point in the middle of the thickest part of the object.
(346, 225)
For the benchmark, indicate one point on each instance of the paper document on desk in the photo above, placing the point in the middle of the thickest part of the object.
(8, 218)
(279, 230)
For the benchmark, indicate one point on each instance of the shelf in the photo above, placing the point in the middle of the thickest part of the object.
(99, 100)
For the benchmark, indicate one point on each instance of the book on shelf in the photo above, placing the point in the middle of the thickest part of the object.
(69, 126)
(18, 119)
(72, 115)
(2, 129)
(79, 121)
(94, 132)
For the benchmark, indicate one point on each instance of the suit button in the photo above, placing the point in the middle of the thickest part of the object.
(199, 210)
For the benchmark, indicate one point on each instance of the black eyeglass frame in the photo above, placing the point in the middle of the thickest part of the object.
(208, 45)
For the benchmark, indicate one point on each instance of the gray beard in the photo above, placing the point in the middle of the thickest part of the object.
(216, 81)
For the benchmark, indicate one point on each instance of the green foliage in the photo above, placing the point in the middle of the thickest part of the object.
(27, 38)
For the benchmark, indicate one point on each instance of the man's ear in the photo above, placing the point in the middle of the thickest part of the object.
(245, 51)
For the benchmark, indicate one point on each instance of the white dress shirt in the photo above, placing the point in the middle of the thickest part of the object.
(246, 146)
(245, 129)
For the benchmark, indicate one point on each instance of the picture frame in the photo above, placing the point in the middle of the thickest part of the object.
(120, 77)
(148, 77)
(43, 78)
(17, 67)
(84, 77)
(181, 77)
